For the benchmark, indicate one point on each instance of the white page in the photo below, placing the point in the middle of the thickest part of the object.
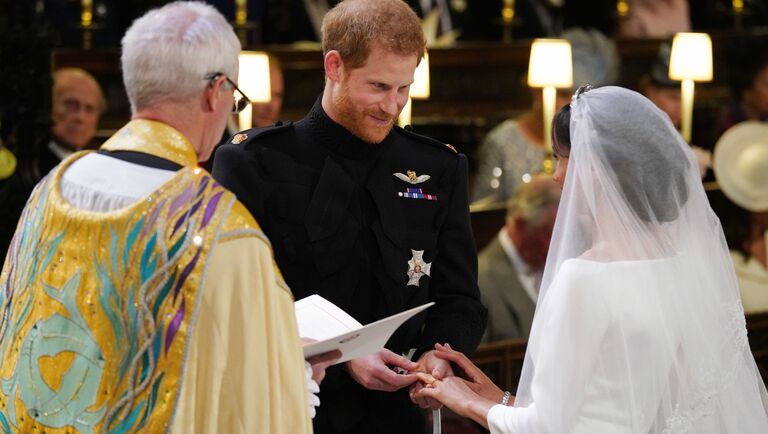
(319, 319)
(363, 341)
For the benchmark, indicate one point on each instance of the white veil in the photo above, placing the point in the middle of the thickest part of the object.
(639, 322)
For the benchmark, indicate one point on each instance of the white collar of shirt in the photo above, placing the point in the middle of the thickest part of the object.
(529, 278)
(59, 151)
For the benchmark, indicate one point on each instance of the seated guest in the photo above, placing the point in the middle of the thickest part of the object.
(510, 267)
(741, 165)
(78, 102)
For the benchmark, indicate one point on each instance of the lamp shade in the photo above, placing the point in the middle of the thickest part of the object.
(420, 86)
(253, 78)
(550, 64)
(691, 57)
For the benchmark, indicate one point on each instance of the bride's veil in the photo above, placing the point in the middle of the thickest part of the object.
(633, 200)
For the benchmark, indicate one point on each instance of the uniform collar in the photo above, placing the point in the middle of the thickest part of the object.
(154, 138)
(338, 139)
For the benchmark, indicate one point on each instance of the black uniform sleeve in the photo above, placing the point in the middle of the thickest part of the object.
(458, 316)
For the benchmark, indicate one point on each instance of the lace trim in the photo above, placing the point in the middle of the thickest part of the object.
(711, 380)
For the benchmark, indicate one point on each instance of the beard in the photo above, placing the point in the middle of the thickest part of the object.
(355, 119)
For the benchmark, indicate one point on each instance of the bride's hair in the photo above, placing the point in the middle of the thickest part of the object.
(644, 157)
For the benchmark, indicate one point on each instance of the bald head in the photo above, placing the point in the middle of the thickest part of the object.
(77, 104)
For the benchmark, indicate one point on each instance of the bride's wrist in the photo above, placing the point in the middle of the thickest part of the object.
(477, 410)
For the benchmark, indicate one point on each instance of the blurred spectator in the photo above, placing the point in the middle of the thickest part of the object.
(655, 18)
(514, 150)
(749, 86)
(510, 268)
(665, 93)
(741, 168)
(77, 105)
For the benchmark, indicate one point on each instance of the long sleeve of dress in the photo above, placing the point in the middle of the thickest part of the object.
(574, 321)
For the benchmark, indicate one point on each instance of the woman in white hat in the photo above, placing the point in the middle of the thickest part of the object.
(741, 168)
(638, 327)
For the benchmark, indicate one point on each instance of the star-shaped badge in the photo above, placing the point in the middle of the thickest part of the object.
(417, 267)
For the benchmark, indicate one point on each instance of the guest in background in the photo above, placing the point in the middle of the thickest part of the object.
(510, 268)
(78, 102)
(655, 19)
(741, 165)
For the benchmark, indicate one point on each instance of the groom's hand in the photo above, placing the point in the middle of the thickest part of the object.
(439, 369)
(376, 372)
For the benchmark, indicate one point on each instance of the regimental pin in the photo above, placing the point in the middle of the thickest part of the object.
(411, 177)
(416, 193)
(239, 138)
(417, 267)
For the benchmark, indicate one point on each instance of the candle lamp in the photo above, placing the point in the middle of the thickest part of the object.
(253, 79)
(690, 61)
(550, 67)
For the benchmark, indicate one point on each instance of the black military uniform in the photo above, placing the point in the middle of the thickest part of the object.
(349, 220)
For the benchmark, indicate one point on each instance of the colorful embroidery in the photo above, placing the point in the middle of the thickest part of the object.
(97, 313)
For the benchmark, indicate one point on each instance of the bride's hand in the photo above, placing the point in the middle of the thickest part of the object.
(456, 394)
(478, 382)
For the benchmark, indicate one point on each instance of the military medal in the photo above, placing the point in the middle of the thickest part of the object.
(417, 267)
(411, 177)
(239, 138)
(414, 193)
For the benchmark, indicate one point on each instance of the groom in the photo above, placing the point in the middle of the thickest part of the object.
(372, 217)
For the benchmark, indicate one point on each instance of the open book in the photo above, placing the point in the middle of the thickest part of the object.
(334, 329)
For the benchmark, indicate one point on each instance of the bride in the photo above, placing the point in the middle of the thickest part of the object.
(639, 327)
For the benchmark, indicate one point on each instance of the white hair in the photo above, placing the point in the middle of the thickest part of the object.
(168, 52)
